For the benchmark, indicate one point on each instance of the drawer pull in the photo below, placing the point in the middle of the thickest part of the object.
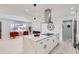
(45, 46)
(41, 42)
(53, 40)
(47, 39)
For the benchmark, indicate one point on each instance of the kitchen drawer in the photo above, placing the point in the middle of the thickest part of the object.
(46, 45)
(49, 44)
(52, 43)
(42, 46)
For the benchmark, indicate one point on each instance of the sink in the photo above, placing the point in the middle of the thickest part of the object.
(48, 34)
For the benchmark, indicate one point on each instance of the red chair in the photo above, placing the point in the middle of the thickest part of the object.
(25, 33)
(14, 34)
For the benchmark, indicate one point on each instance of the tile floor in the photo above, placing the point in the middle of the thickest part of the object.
(13, 46)
(64, 48)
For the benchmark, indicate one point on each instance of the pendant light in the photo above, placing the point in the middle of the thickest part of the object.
(35, 10)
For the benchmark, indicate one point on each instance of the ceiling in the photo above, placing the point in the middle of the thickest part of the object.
(29, 11)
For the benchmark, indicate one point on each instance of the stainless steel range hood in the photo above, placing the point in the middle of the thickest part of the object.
(48, 19)
(48, 15)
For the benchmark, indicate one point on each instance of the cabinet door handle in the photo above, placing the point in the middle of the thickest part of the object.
(45, 46)
(57, 36)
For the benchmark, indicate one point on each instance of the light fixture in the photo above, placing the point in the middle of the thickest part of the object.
(35, 10)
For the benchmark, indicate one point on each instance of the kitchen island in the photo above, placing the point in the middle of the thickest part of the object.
(39, 45)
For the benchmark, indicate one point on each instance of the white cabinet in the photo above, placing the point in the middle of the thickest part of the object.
(51, 43)
(47, 44)
(42, 46)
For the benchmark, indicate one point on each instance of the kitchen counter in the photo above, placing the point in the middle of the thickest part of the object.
(38, 38)
(41, 37)
(42, 44)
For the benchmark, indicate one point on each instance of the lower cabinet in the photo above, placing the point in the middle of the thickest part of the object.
(46, 45)
(43, 46)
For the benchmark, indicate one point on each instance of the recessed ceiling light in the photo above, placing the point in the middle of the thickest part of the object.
(72, 8)
(73, 12)
(26, 10)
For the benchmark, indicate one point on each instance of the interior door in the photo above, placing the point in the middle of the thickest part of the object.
(67, 30)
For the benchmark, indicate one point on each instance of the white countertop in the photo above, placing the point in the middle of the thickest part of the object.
(41, 37)
(37, 38)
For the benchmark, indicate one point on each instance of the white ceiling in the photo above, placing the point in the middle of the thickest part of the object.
(29, 11)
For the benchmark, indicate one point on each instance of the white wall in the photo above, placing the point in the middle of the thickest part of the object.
(6, 27)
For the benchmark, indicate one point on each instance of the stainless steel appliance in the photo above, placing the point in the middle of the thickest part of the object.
(67, 31)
